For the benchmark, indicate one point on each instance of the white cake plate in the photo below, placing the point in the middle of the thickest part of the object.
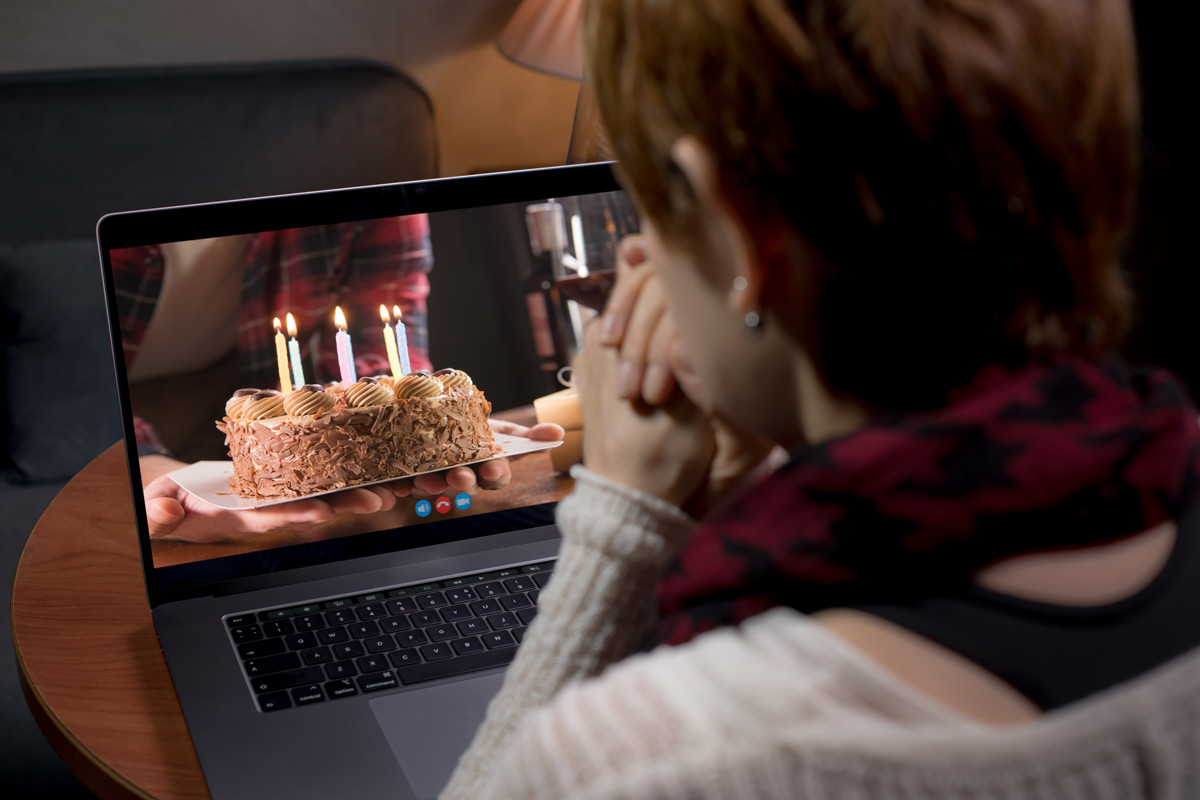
(209, 480)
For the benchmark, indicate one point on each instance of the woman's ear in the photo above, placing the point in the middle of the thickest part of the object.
(744, 239)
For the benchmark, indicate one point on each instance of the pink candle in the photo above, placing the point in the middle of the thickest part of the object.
(345, 352)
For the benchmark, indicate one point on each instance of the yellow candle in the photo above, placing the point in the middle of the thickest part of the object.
(285, 382)
(389, 341)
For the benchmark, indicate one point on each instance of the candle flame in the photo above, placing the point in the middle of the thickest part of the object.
(291, 325)
(396, 311)
(383, 315)
(339, 318)
(277, 324)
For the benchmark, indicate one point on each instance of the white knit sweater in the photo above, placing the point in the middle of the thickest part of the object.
(778, 708)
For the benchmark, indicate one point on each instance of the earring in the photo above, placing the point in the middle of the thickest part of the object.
(754, 317)
(754, 322)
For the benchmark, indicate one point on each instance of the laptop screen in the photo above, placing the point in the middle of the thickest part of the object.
(282, 305)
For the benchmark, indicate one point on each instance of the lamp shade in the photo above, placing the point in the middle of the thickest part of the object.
(544, 35)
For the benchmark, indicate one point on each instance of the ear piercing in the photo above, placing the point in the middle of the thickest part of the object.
(754, 317)
(754, 323)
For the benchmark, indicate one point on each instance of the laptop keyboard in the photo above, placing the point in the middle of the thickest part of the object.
(327, 650)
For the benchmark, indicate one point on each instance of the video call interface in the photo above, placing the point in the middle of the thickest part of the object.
(499, 293)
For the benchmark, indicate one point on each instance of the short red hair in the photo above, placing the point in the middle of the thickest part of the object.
(968, 167)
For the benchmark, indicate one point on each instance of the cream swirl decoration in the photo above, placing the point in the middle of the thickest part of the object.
(453, 377)
(367, 392)
(309, 400)
(386, 380)
(233, 406)
(263, 405)
(418, 385)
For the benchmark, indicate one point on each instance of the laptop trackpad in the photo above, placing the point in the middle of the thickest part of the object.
(430, 729)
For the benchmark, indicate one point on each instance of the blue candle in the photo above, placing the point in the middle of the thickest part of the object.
(294, 352)
(402, 343)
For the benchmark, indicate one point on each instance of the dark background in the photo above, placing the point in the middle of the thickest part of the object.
(1161, 257)
(477, 317)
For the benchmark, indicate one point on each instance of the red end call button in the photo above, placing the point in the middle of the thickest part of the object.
(442, 505)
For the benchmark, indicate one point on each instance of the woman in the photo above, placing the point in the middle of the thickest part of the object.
(882, 235)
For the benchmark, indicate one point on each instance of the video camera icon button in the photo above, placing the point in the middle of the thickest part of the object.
(462, 501)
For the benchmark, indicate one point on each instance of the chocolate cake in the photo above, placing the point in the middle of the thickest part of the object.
(319, 438)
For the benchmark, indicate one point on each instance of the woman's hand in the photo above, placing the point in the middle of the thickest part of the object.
(663, 450)
(636, 323)
(494, 474)
(655, 366)
(174, 513)
(738, 455)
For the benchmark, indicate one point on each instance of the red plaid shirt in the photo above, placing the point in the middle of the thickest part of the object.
(307, 271)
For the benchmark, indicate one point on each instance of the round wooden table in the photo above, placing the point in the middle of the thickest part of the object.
(89, 661)
(88, 657)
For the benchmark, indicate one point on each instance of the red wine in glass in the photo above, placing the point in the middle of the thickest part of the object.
(591, 291)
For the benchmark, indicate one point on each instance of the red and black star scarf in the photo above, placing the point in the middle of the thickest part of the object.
(1048, 456)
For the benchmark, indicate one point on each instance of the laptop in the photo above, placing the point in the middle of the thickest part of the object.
(354, 658)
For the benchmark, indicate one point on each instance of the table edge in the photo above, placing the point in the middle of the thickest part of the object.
(80, 760)
(52, 728)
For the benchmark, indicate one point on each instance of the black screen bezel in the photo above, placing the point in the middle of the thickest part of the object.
(255, 215)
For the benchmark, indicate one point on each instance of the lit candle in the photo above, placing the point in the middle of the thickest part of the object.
(294, 351)
(345, 353)
(285, 383)
(402, 342)
(389, 341)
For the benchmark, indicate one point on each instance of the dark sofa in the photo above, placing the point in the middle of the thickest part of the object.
(76, 145)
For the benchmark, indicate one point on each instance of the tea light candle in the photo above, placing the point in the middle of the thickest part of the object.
(285, 383)
(402, 343)
(345, 352)
(389, 341)
(294, 351)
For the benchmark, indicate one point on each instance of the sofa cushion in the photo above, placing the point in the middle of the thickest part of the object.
(80, 144)
(60, 393)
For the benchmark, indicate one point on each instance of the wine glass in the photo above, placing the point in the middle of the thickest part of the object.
(585, 249)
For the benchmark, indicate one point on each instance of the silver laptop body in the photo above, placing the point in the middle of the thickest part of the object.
(391, 736)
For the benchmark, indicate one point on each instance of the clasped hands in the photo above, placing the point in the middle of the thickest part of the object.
(646, 420)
